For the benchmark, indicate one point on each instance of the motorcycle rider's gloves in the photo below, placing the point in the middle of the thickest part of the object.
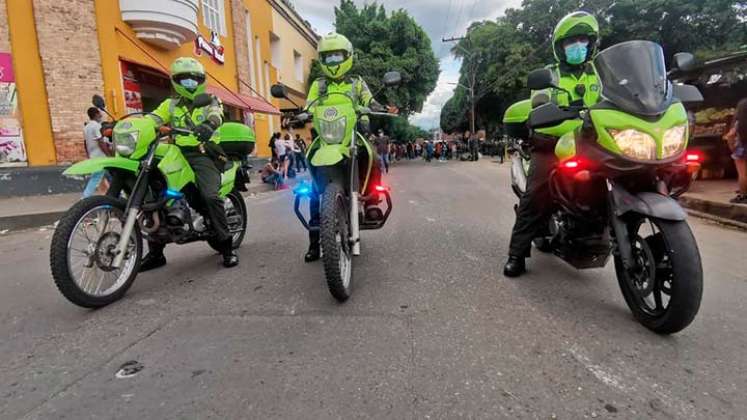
(203, 132)
(576, 52)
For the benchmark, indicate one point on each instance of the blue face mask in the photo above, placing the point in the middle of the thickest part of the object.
(190, 84)
(576, 53)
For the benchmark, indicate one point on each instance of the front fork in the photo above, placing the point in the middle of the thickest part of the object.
(620, 229)
(355, 233)
(133, 208)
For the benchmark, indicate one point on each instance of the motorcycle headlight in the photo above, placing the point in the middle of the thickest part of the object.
(674, 141)
(125, 143)
(635, 144)
(333, 132)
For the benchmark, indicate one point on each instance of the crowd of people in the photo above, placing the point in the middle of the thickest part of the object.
(288, 159)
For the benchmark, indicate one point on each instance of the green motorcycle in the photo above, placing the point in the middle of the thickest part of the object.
(335, 175)
(620, 169)
(98, 244)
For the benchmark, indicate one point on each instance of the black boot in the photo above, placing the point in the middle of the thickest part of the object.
(230, 256)
(153, 260)
(313, 254)
(514, 266)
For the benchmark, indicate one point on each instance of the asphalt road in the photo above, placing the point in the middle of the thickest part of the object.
(433, 329)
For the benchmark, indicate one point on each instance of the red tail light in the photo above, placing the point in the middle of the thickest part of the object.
(573, 165)
(693, 157)
(380, 188)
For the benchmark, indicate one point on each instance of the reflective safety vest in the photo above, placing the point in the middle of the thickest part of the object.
(174, 111)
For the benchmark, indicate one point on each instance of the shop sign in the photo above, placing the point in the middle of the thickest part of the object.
(12, 149)
(131, 88)
(213, 48)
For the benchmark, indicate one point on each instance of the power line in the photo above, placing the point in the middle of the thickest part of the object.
(443, 30)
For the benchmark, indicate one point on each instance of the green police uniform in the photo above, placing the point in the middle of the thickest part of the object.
(577, 34)
(188, 79)
(336, 60)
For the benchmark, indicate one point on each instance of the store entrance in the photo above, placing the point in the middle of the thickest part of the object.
(144, 87)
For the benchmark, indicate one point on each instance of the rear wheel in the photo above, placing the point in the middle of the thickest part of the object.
(237, 219)
(665, 287)
(337, 253)
(83, 249)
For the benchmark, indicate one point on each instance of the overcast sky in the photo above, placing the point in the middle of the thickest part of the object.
(439, 18)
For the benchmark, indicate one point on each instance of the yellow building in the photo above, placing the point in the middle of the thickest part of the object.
(55, 54)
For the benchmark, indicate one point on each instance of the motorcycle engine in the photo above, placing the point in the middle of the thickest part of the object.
(179, 217)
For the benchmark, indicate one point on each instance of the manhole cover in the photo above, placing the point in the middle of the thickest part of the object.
(129, 369)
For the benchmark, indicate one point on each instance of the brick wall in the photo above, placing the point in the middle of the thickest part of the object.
(4, 36)
(69, 49)
(242, 51)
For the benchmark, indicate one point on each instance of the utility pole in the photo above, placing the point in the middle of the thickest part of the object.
(471, 78)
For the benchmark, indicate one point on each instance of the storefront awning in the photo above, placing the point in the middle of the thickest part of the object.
(246, 102)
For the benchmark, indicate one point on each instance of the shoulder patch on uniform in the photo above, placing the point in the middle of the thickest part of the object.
(594, 87)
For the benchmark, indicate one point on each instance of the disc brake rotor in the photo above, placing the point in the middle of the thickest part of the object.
(106, 251)
(644, 273)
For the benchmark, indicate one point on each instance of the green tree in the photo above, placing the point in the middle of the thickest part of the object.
(707, 28)
(385, 42)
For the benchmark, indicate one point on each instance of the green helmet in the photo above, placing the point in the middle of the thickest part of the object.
(188, 77)
(335, 55)
(572, 25)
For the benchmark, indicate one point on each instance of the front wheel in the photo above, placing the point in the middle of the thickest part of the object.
(665, 287)
(337, 253)
(237, 220)
(83, 248)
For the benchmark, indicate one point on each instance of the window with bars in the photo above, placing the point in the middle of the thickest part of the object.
(213, 12)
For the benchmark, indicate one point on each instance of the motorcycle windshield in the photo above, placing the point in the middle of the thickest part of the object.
(634, 77)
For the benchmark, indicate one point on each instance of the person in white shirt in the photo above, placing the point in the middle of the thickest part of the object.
(96, 147)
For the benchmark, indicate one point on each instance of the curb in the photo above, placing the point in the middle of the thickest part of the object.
(720, 220)
(722, 211)
(35, 220)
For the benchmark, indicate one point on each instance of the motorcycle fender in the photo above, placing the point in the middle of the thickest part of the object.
(648, 204)
(90, 166)
(328, 155)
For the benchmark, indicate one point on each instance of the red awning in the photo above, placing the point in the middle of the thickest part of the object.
(238, 100)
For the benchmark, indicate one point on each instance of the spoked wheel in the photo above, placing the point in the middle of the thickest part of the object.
(237, 218)
(665, 286)
(83, 250)
(337, 252)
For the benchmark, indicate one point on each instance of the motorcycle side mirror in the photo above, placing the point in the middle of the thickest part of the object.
(541, 79)
(98, 102)
(279, 91)
(202, 100)
(684, 61)
(392, 78)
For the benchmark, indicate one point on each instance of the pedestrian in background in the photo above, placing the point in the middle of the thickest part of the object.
(280, 152)
(300, 154)
(382, 148)
(290, 156)
(737, 139)
(271, 144)
(500, 148)
(271, 174)
(96, 147)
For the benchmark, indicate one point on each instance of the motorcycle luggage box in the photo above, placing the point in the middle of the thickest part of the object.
(236, 139)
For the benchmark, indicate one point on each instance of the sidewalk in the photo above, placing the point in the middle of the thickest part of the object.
(18, 213)
(711, 198)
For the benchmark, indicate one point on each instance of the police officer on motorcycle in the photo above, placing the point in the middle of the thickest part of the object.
(575, 42)
(335, 54)
(203, 154)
